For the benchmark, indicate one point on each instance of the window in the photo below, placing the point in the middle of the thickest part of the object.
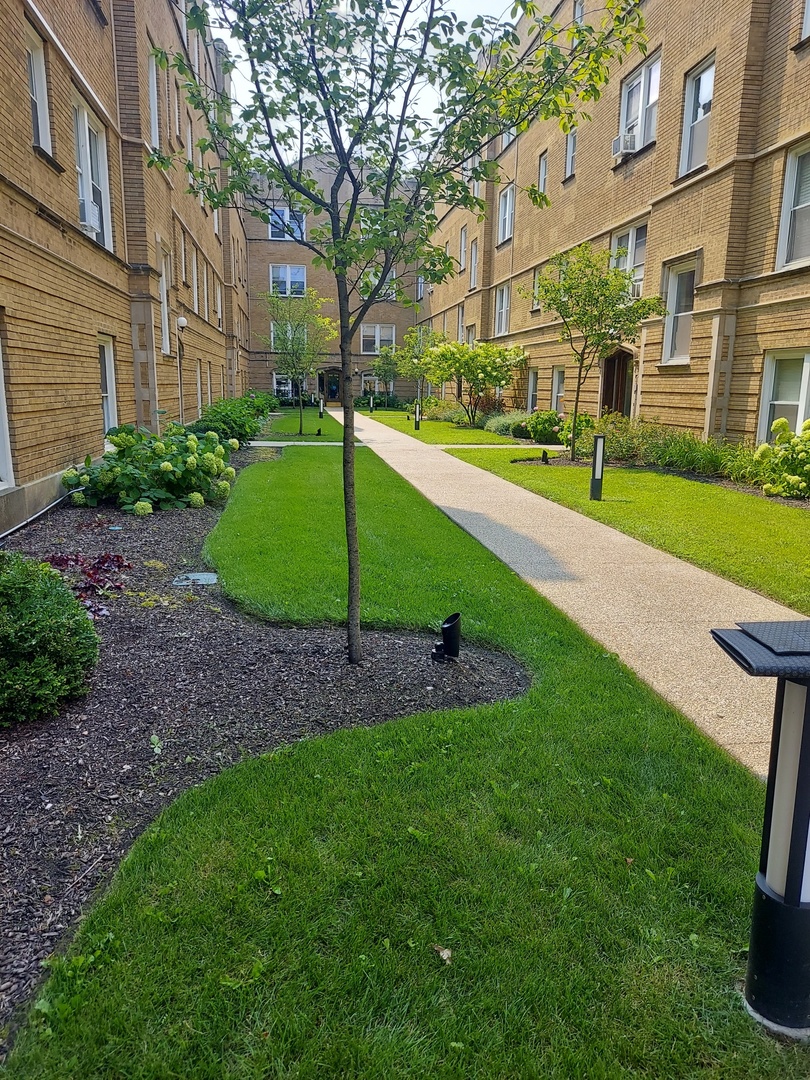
(288, 280)
(199, 388)
(570, 153)
(195, 284)
(460, 323)
(109, 406)
(640, 106)
(474, 263)
(376, 336)
(189, 140)
(6, 471)
(368, 283)
(794, 231)
(542, 172)
(286, 224)
(538, 273)
(462, 249)
(806, 23)
(508, 137)
(183, 272)
(506, 213)
(466, 173)
(680, 303)
(420, 287)
(502, 310)
(206, 303)
(215, 216)
(558, 389)
(91, 174)
(219, 304)
(154, 118)
(697, 110)
(210, 388)
(531, 397)
(785, 391)
(177, 128)
(633, 242)
(471, 335)
(38, 89)
(280, 335)
(579, 11)
(165, 337)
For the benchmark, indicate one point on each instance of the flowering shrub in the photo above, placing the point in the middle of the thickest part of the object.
(584, 422)
(506, 423)
(785, 466)
(546, 427)
(147, 471)
(235, 418)
(47, 642)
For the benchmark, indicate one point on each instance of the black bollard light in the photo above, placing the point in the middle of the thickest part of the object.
(451, 635)
(598, 467)
(777, 985)
(417, 416)
(371, 403)
(320, 409)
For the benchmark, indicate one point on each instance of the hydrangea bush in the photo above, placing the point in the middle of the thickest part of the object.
(546, 427)
(147, 471)
(785, 465)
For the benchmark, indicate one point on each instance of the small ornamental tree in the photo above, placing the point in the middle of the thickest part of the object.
(385, 367)
(413, 356)
(594, 301)
(298, 337)
(481, 368)
(365, 120)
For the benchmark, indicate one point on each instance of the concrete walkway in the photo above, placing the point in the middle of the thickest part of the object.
(650, 608)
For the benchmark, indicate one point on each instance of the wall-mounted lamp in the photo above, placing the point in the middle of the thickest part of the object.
(182, 323)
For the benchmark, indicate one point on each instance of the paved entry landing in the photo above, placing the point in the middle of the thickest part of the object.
(652, 609)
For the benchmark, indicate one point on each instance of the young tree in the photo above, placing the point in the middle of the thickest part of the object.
(594, 301)
(298, 337)
(385, 367)
(412, 356)
(369, 116)
(481, 368)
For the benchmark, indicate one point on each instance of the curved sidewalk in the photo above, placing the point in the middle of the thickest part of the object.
(651, 609)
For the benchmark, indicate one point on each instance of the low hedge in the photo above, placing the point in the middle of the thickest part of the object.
(47, 641)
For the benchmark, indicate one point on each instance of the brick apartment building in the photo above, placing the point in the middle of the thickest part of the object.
(697, 161)
(278, 264)
(101, 257)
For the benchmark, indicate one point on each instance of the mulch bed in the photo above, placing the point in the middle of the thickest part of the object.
(182, 671)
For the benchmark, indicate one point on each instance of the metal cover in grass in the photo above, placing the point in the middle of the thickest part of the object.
(196, 579)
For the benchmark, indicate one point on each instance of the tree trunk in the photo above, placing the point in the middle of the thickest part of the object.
(349, 497)
(580, 380)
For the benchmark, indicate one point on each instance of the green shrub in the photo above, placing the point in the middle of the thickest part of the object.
(233, 418)
(584, 422)
(546, 427)
(785, 466)
(636, 441)
(447, 411)
(503, 423)
(47, 640)
(169, 471)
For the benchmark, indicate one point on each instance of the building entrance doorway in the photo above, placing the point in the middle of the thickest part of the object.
(330, 385)
(617, 383)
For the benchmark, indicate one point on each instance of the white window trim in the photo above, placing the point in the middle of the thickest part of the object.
(631, 252)
(570, 153)
(502, 310)
(35, 47)
(686, 126)
(806, 22)
(420, 287)
(111, 410)
(289, 236)
(206, 295)
(542, 172)
(288, 267)
(531, 389)
(218, 291)
(6, 470)
(377, 335)
(557, 375)
(195, 282)
(506, 214)
(508, 137)
(768, 373)
(460, 323)
(640, 75)
(88, 121)
(474, 263)
(579, 11)
(154, 114)
(672, 285)
(165, 335)
(536, 304)
(788, 190)
(462, 249)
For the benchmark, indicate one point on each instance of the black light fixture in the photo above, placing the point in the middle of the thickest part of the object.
(417, 416)
(320, 408)
(777, 985)
(371, 403)
(598, 467)
(448, 648)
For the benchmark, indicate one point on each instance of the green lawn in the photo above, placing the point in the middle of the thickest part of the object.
(437, 431)
(286, 426)
(748, 539)
(584, 852)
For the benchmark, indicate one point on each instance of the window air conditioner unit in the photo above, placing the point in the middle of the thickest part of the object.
(624, 144)
(89, 216)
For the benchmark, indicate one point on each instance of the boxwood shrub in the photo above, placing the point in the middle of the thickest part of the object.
(47, 641)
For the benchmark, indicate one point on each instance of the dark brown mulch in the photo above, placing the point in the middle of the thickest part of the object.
(183, 672)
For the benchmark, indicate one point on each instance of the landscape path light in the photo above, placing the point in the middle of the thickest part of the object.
(777, 984)
(598, 467)
(320, 408)
(417, 416)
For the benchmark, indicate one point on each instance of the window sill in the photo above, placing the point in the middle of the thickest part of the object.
(626, 159)
(800, 46)
(796, 265)
(665, 365)
(691, 174)
(43, 155)
(503, 243)
(567, 179)
(473, 288)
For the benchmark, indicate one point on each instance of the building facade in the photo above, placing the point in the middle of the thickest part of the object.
(696, 162)
(123, 299)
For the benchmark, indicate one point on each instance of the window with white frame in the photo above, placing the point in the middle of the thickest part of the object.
(199, 388)
(178, 131)
(109, 405)
(474, 264)
(629, 253)
(466, 174)
(462, 249)
(570, 153)
(696, 116)
(376, 336)
(680, 305)
(460, 323)
(91, 174)
(183, 270)
(154, 115)
(794, 230)
(286, 280)
(536, 276)
(471, 335)
(639, 116)
(206, 297)
(219, 303)
(281, 335)
(785, 391)
(195, 282)
(542, 172)
(165, 337)
(286, 224)
(508, 137)
(531, 397)
(502, 310)
(38, 88)
(558, 389)
(6, 471)
(579, 11)
(506, 213)
(420, 287)
(806, 23)
(368, 283)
